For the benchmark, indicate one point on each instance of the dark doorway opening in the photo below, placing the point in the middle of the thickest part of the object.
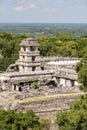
(32, 48)
(14, 86)
(42, 68)
(33, 68)
(72, 83)
(33, 58)
(20, 89)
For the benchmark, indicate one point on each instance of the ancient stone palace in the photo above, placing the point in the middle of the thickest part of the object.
(29, 68)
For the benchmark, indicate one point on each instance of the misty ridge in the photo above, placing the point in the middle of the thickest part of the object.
(37, 29)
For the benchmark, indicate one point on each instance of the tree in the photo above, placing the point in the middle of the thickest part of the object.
(76, 118)
(82, 76)
(81, 68)
(9, 120)
(9, 47)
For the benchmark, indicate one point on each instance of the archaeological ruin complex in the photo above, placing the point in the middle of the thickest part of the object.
(30, 67)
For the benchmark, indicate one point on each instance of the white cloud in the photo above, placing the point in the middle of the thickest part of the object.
(32, 6)
(49, 9)
(19, 8)
(21, 5)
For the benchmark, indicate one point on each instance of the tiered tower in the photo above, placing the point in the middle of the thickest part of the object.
(29, 57)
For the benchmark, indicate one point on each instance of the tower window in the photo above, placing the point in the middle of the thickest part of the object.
(24, 48)
(33, 58)
(33, 68)
(23, 57)
(72, 83)
(42, 68)
(32, 48)
(23, 68)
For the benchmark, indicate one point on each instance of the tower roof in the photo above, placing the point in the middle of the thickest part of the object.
(29, 42)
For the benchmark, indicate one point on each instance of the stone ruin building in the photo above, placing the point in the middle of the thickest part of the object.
(29, 68)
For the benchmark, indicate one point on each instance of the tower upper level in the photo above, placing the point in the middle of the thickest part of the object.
(29, 57)
(29, 42)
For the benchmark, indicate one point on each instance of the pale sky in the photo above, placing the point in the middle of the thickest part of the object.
(40, 11)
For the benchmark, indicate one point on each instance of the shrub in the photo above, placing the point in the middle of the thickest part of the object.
(35, 85)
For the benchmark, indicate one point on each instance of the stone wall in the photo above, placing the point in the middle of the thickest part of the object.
(48, 109)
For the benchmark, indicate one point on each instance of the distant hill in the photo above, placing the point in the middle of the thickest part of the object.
(37, 29)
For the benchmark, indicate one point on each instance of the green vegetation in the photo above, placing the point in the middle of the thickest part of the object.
(38, 29)
(76, 118)
(65, 45)
(45, 123)
(81, 68)
(10, 120)
(35, 85)
(9, 47)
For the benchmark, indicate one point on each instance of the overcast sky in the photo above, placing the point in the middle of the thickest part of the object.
(49, 11)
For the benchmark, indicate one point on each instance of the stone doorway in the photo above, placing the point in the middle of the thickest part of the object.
(20, 89)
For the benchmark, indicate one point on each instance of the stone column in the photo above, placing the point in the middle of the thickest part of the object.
(21, 58)
(67, 83)
(26, 58)
(26, 69)
(62, 81)
(21, 68)
(28, 49)
(36, 48)
(76, 83)
(22, 48)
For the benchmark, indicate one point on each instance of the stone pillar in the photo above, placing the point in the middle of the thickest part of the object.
(36, 48)
(26, 58)
(62, 82)
(70, 84)
(67, 83)
(26, 68)
(22, 48)
(76, 83)
(21, 58)
(4, 85)
(21, 68)
(17, 88)
(28, 49)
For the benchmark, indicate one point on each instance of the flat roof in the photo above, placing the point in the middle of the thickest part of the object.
(30, 73)
(71, 62)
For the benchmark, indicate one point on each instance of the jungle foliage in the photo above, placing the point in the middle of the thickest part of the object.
(76, 118)
(37, 29)
(81, 69)
(10, 120)
(9, 47)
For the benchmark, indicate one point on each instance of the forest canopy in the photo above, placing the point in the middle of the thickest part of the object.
(10, 120)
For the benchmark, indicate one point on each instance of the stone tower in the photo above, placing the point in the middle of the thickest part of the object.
(29, 57)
